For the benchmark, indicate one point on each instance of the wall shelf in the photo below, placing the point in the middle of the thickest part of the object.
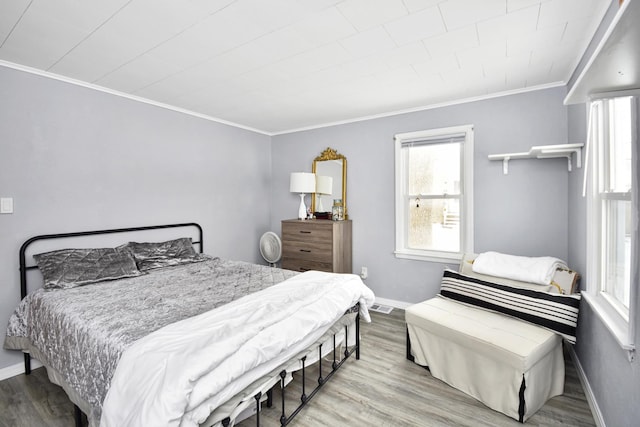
(542, 152)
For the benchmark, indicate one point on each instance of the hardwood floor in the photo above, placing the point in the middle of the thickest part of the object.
(380, 389)
(31, 400)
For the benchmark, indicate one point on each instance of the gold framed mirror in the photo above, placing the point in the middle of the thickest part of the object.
(331, 163)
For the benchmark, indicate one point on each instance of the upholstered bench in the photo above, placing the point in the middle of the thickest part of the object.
(510, 365)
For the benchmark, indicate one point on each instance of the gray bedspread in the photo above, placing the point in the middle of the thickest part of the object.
(82, 332)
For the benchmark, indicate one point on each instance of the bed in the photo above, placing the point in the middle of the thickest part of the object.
(179, 338)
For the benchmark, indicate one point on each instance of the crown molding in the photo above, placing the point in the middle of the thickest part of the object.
(99, 88)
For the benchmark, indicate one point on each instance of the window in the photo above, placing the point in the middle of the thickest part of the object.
(611, 208)
(434, 194)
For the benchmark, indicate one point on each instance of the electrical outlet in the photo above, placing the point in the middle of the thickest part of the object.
(6, 205)
(364, 273)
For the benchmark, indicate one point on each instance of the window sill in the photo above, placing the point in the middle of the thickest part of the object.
(449, 258)
(618, 327)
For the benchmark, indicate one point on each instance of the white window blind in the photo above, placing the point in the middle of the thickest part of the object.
(433, 193)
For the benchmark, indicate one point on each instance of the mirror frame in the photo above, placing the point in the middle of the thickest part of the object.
(331, 154)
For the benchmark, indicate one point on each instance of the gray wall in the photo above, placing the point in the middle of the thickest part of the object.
(78, 159)
(614, 380)
(524, 212)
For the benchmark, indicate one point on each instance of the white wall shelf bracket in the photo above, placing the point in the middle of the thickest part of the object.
(505, 165)
(543, 152)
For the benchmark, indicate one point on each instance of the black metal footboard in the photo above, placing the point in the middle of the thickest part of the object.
(322, 379)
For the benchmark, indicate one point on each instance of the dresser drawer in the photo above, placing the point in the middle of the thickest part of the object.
(320, 251)
(307, 231)
(305, 265)
(316, 245)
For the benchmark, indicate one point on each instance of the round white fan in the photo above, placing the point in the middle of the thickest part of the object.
(271, 247)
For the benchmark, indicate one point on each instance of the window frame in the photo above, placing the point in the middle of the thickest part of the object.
(466, 195)
(606, 307)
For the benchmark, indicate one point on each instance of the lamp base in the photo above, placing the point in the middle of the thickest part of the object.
(302, 210)
(320, 208)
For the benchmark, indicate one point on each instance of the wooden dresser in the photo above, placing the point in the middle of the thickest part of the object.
(318, 244)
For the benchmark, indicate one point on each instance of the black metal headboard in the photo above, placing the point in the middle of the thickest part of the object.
(23, 264)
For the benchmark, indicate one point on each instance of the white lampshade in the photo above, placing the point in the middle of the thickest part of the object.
(302, 182)
(324, 184)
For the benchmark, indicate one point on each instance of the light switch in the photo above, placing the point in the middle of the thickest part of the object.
(6, 205)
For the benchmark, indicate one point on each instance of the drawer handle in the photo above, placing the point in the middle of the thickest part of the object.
(305, 250)
(305, 232)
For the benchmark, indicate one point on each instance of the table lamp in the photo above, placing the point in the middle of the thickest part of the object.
(302, 183)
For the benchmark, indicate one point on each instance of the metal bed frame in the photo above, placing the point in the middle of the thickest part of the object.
(321, 380)
(284, 419)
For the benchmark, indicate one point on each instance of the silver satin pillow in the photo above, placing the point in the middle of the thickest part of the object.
(68, 268)
(149, 256)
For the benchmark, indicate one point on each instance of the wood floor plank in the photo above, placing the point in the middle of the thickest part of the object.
(381, 389)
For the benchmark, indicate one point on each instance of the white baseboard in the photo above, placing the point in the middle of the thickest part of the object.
(591, 399)
(17, 369)
(393, 303)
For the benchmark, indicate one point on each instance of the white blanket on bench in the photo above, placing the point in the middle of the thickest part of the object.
(538, 270)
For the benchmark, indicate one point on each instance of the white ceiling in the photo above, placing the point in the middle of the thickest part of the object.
(281, 65)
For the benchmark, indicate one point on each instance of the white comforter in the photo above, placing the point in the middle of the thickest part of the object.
(177, 375)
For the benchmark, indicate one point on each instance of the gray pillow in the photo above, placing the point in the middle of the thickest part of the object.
(155, 255)
(68, 268)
